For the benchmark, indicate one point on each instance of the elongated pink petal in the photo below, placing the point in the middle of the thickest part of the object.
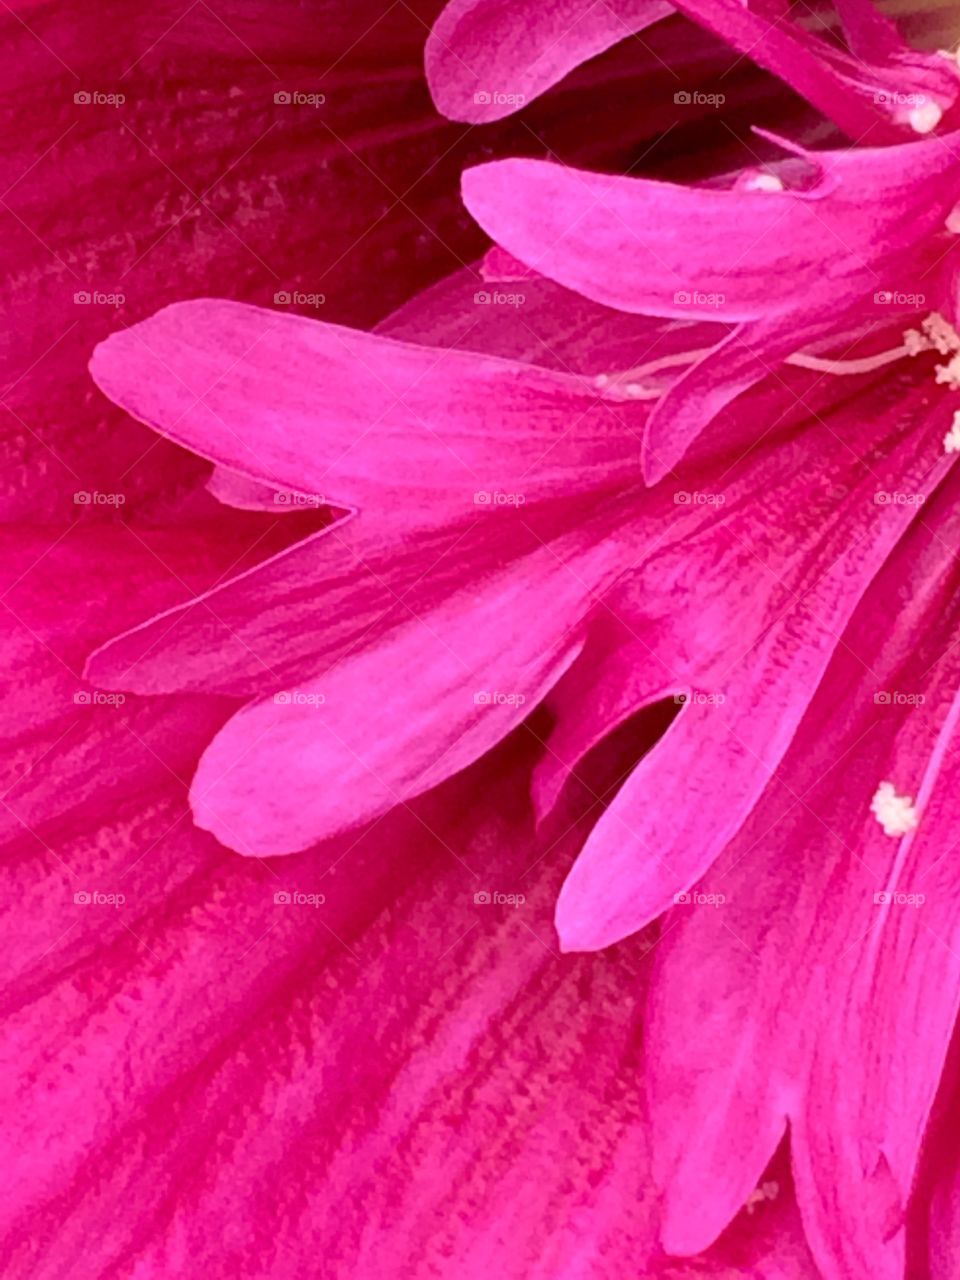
(457, 678)
(874, 99)
(760, 660)
(731, 255)
(788, 265)
(346, 588)
(331, 412)
(823, 958)
(486, 60)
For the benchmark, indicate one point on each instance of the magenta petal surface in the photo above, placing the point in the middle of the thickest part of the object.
(814, 964)
(486, 60)
(694, 252)
(358, 419)
(749, 662)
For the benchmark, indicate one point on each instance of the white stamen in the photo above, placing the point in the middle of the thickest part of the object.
(865, 365)
(765, 1191)
(763, 182)
(915, 342)
(941, 333)
(895, 813)
(948, 374)
(935, 334)
(925, 117)
(614, 388)
(953, 220)
(951, 441)
(938, 334)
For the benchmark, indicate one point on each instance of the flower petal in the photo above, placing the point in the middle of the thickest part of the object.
(689, 796)
(486, 60)
(790, 266)
(872, 98)
(457, 678)
(811, 947)
(322, 410)
(643, 245)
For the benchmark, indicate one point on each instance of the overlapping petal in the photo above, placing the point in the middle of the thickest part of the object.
(486, 60)
(823, 960)
(182, 1024)
(753, 631)
(787, 265)
(324, 410)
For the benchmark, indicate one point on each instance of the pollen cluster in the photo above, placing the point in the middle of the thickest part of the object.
(897, 814)
(936, 333)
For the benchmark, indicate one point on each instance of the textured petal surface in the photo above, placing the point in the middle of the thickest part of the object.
(694, 252)
(198, 180)
(324, 410)
(756, 658)
(826, 959)
(201, 1074)
(456, 679)
(485, 60)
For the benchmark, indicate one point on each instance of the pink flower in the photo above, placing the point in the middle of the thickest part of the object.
(342, 1060)
(649, 521)
(738, 598)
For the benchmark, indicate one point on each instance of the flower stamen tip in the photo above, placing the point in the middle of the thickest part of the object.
(763, 182)
(765, 1191)
(951, 441)
(925, 117)
(949, 374)
(896, 814)
(941, 333)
